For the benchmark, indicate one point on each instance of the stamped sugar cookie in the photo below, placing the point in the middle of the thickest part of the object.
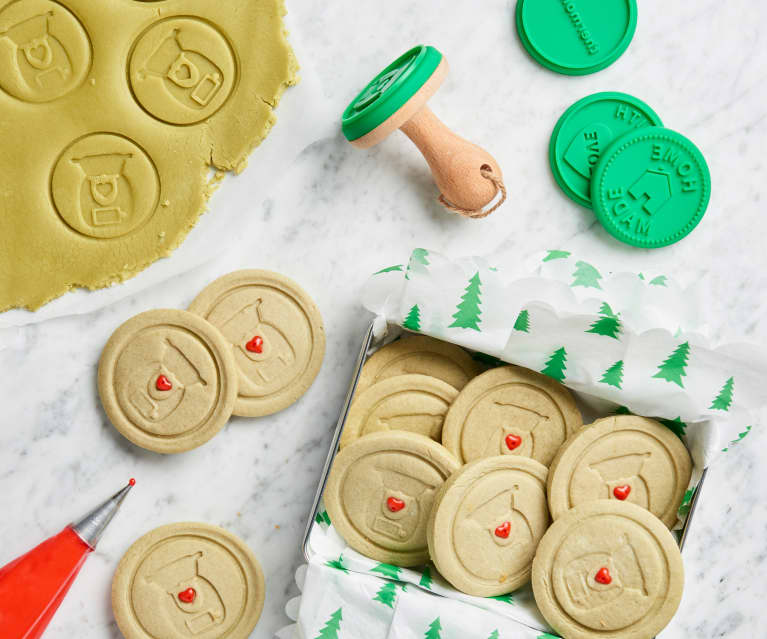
(416, 403)
(276, 334)
(188, 580)
(510, 411)
(421, 355)
(380, 492)
(167, 380)
(626, 458)
(486, 523)
(608, 569)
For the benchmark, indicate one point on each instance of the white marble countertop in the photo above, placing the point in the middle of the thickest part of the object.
(341, 213)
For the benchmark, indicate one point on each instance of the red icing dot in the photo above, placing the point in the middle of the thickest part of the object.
(188, 595)
(163, 383)
(513, 441)
(132, 481)
(394, 504)
(621, 492)
(603, 576)
(503, 530)
(256, 345)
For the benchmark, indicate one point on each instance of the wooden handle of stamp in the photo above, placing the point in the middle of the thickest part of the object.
(455, 163)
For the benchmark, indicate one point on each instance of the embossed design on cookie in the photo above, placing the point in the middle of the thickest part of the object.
(182, 70)
(104, 194)
(622, 476)
(517, 435)
(45, 52)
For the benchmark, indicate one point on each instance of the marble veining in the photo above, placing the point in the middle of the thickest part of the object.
(340, 213)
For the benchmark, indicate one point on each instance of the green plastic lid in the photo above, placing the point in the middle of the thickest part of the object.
(583, 133)
(389, 90)
(576, 37)
(651, 187)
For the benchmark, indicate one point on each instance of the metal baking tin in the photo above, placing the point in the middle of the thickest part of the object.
(365, 352)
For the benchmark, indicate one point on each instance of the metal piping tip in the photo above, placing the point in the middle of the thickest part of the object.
(92, 526)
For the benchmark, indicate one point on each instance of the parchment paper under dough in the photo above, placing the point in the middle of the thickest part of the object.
(106, 163)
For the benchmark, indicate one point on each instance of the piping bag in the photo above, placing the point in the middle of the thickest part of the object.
(32, 586)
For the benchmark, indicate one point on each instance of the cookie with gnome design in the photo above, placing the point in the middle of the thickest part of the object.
(380, 492)
(486, 523)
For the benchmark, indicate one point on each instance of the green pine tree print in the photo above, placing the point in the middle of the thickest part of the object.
(740, 438)
(331, 628)
(723, 400)
(613, 375)
(673, 367)
(425, 578)
(586, 275)
(389, 269)
(608, 325)
(387, 594)
(546, 635)
(413, 320)
(556, 364)
(523, 322)
(468, 313)
(556, 255)
(507, 598)
(338, 564)
(684, 507)
(322, 517)
(658, 281)
(387, 570)
(494, 634)
(419, 260)
(434, 631)
(622, 410)
(676, 425)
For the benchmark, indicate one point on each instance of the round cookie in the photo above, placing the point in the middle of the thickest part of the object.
(510, 411)
(486, 523)
(421, 355)
(188, 580)
(167, 380)
(608, 569)
(276, 334)
(380, 492)
(626, 458)
(415, 403)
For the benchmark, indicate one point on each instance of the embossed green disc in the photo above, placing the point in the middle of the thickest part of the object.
(583, 133)
(651, 187)
(576, 37)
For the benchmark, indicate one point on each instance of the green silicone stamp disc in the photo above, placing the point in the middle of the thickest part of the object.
(389, 90)
(576, 37)
(651, 187)
(583, 133)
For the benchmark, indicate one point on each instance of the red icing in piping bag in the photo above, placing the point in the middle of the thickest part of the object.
(33, 585)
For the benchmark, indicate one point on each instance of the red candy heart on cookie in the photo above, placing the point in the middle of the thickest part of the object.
(503, 530)
(188, 595)
(513, 441)
(621, 492)
(163, 383)
(394, 504)
(256, 345)
(603, 576)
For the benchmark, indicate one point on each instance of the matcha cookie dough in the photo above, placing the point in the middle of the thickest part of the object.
(167, 380)
(486, 523)
(188, 580)
(421, 355)
(380, 492)
(109, 133)
(608, 569)
(625, 458)
(510, 411)
(275, 333)
(415, 403)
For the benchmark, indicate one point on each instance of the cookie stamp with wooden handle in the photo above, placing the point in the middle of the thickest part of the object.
(468, 177)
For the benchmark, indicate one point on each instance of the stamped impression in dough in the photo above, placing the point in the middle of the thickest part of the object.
(188, 581)
(608, 568)
(380, 492)
(276, 334)
(625, 458)
(419, 355)
(510, 411)
(486, 523)
(167, 380)
(415, 403)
